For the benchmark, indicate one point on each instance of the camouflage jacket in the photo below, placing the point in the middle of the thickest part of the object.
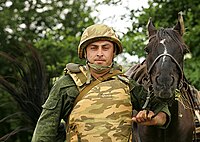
(61, 102)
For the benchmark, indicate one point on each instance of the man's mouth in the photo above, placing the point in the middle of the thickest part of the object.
(99, 61)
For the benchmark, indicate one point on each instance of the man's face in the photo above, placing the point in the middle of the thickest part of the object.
(100, 52)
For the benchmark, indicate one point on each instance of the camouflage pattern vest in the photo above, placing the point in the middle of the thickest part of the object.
(104, 113)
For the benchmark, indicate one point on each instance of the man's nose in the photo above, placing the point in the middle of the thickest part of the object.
(99, 52)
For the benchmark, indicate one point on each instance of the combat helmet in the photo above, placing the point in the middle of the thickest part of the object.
(98, 32)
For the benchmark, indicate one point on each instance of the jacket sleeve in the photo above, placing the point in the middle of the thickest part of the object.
(138, 95)
(163, 107)
(57, 107)
(138, 98)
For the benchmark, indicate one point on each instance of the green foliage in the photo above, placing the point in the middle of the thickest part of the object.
(192, 67)
(134, 43)
(27, 86)
(54, 28)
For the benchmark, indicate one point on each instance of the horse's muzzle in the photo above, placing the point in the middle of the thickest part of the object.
(164, 93)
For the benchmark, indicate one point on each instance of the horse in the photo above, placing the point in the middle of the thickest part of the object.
(162, 75)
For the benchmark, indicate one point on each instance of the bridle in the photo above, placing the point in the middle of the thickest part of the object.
(175, 61)
(150, 90)
(166, 54)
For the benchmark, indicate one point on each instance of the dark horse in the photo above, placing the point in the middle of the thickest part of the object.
(164, 78)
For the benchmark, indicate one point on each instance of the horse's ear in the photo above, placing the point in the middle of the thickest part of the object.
(180, 24)
(151, 29)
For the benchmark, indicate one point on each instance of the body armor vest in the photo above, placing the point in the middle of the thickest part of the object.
(103, 114)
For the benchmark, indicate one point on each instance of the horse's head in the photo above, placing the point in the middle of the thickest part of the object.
(165, 54)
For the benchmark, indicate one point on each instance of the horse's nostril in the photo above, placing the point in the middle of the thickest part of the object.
(157, 80)
(173, 79)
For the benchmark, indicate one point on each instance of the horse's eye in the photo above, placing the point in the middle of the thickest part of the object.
(146, 49)
(185, 49)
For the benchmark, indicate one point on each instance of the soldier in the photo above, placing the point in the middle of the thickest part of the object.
(96, 100)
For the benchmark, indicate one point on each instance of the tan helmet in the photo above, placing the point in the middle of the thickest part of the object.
(98, 32)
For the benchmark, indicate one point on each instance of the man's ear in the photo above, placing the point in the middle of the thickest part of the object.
(115, 52)
(115, 49)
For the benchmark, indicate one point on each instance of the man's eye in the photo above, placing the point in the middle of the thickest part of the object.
(106, 48)
(93, 48)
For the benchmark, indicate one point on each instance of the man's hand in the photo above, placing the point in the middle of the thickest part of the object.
(148, 118)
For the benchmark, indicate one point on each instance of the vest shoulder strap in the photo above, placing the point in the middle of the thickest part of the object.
(78, 74)
(72, 67)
